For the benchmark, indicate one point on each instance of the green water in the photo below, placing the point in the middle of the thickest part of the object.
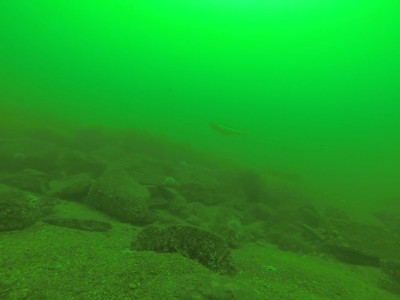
(314, 85)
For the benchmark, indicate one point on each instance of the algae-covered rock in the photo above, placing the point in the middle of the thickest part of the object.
(119, 195)
(144, 169)
(205, 247)
(25, 153)
(310, 216)
(27, 180)
(353, 255)
(75, 187)
(19, 209)
(199, 184)
(73, 162)
(363, 244)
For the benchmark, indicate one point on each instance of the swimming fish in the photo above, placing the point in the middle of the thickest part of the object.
(224, 129)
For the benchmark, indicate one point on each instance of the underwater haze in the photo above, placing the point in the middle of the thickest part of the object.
(198, 149)
(314, 85)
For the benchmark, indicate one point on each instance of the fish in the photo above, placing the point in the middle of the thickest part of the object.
(225, 129)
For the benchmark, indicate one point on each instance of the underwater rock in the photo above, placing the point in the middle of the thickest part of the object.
(85, 225)
(392, 269)
(169, 199)
(205, 247)
(119, 195)
(287, 241)
(305, 230)
(74, 188)
(260, 211)
(310, 216)
(230, 235)
(73, 162)
(24, 153)
(27, 180)
(144, 169)
(349, 238)
(391, 220)
(287, 228)
(198, 184)
(312, 234)
(353, 256)
(223, 221)
(165, 192)
(252, 185)
(19, 209)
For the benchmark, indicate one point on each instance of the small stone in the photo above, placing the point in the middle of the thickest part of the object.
(133, 285)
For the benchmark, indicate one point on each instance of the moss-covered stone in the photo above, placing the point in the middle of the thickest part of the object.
(119, 195)
(74, 188)
(27, 180)
(205, 247)
(198, 184)
(351, 255)
(19, 209)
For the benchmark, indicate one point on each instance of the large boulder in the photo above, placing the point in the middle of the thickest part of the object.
(74, 162)
(19, 209)
(24, 153)
(119, 195)
(205, 247)
(362, 244)
(74, 188)
(27, 180)
(198, 184)
(145, 169)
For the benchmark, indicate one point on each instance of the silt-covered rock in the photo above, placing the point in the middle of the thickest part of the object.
(205, 247)
(74, 188)
(119, 195)
(19, 209)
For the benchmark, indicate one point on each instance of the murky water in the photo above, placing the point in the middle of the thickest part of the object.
(314, 85)
(304, 92)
